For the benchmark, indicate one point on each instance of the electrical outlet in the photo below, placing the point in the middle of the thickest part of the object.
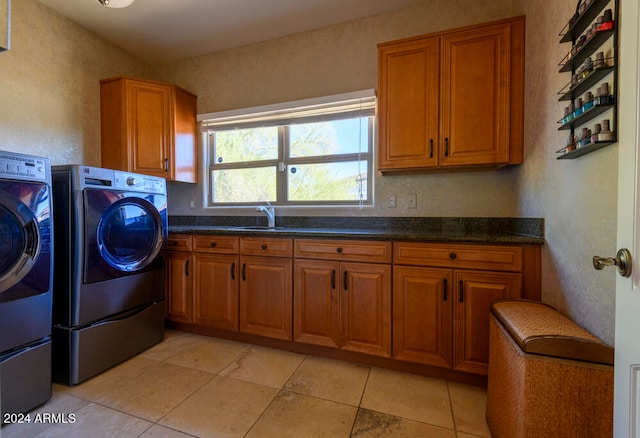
(413, 200)
(393, 201)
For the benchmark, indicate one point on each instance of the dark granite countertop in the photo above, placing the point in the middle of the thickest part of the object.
(477, 230)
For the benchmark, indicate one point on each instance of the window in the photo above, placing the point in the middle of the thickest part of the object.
(312, 152)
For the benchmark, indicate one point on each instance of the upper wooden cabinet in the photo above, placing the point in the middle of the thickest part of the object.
(452, 99)
(148, 127)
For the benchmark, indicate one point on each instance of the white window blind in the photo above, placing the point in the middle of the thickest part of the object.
(339, 106)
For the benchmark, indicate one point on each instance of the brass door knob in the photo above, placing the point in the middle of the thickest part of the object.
(622, 260)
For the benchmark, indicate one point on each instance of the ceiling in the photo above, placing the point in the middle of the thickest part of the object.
(160, 31)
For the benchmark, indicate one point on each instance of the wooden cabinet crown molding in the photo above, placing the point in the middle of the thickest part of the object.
(452, 99)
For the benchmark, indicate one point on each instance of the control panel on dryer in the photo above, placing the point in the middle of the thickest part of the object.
(138, 182)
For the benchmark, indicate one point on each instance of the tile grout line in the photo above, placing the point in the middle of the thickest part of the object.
(275, 397)
(453, 417)
(359, 407)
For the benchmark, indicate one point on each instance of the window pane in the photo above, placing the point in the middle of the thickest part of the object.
(246, 145)
(347, 136)
(244, 185)
(328, 182)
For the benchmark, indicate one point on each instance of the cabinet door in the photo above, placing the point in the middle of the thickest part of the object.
(366, 308)
(183, 162)
(475, 109)
(475, 291)
(179, 286)
(266, 296)
(215, 298)
(422, 315)
(408, 104)
(149, 127)
(316, 305)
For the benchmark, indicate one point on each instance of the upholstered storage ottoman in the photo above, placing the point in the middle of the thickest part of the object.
(548, 377)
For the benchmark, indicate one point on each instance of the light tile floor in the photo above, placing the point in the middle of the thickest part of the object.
(191, 385)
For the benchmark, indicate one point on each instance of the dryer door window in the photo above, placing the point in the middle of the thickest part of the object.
(19, 241)
(130, 234)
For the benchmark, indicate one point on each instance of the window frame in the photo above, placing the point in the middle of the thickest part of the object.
(211, 123)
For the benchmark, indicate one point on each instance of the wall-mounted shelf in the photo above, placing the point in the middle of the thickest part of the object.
(593, 28)
(586, 83)
(583, 118)
(587, 49)
(579, 22)
(584, 150)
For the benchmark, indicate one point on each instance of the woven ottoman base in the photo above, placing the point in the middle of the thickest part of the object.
(539, 396)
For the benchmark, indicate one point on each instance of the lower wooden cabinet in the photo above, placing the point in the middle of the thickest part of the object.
(265, 297)
(215, 291)
(476, 290)
(441, 315)
(366, 308)
(179, 290)
(422, 315)
(316, 303)
(202, 282)
(341, 294)
(340, 304)
(215, 281)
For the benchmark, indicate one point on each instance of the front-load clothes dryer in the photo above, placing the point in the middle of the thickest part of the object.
(26, 281)
(110, 273)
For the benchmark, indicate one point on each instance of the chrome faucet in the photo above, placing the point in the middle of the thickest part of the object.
(270, 212)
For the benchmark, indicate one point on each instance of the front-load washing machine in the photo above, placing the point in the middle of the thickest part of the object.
(26, 280)
(110, 274)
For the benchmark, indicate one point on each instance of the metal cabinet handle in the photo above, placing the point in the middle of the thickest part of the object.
(430, 148)
(333, 279)
(461, 291)
(264, 247)
(166, 164)
(345, 281)
(446, 146)
(622, 260)
(453, 256)
(244, 272)
(339, 250)
(444, 294)
(212, 244)
(186, 267)
(233, 270)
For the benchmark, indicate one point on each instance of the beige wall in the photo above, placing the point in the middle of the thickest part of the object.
(50, 97)
(577, 198)
(340, 59)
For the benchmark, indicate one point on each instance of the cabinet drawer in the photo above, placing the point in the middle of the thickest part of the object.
(216, 244)
(179, 242)
(260, 246)
(487, 257)
(347, 250)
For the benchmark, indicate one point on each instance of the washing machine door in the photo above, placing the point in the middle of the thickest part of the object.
(124, 233)
(20, 240)
(130, 234)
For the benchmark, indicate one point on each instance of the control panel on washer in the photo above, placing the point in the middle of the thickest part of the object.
(17, 166)
(139, 182)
